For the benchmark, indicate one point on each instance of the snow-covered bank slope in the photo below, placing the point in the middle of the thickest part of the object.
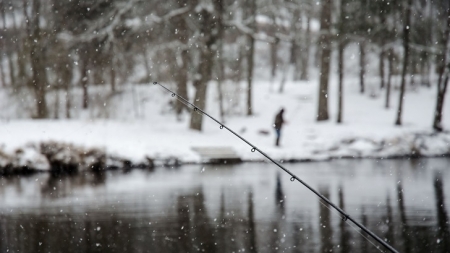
(147, 128)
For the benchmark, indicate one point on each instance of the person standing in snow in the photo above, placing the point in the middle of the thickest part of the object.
(279, 121)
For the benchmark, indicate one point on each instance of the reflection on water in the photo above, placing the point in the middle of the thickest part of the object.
(443, 222)
(240, 208)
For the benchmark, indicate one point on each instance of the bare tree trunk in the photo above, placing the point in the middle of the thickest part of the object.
(22, 52)
(305, 51)
(341, 81)
(68, 101)
(182, 80)
(362, 65)
(9, 55)
(200, 86)
(38, 63)
(442, 84)
(273, 49)
(325, 45)
(381, 67)
(383, 17)
(64, 72)
(2, 70)
(204, 69)
(113, 65)
(112, 77)
(429, 61)
(97, 73)
(437, 124)
(251, 44)
(12, 76)
(8, 46)
(273, 58)
(146, 63)
(412, 70)
(294, 58)
(284, 77)
(398, 121)
(181, 77)
(84, 79)
(388, 84)
(220, 58)
(425, 71)
(341, 46)
(56, 105)
(220, 80)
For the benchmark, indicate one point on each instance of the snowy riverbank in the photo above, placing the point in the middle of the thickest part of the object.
(155, 135)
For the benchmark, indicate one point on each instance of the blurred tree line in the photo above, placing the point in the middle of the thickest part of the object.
(49, 46)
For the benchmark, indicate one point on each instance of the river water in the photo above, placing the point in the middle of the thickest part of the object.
(251, 207)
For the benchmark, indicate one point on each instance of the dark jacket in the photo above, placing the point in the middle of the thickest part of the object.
(279, 120)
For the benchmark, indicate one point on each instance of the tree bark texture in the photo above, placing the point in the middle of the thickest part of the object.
(181, 76)
(383, 14)
(325, 46)
(9, 48)
(306, 44)
(442, 81)
(341, 81)
(406, 29)
(362, 65)
(294, 57)
(437, 123)
(84, 80)
(2, 71)
(389, 80)
(112, 66)
(220, 58)
(381, 68)
(273, 58)
(204, 69)
(64, 67)
(38, 64)
(251, 51)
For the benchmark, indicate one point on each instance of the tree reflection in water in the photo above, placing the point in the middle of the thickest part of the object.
(443, 234)
(142, 212)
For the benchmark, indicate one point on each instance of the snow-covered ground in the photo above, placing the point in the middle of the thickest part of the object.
(138, 123)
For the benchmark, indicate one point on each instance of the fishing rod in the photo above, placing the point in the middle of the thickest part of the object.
(346, 217)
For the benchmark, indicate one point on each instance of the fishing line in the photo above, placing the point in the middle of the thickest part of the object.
(293, 178)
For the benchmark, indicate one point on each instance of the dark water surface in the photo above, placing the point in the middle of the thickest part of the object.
(241, 208)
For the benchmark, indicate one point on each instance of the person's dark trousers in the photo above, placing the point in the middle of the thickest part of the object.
(278, 133)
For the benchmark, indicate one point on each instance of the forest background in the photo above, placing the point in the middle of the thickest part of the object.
(84, 59)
